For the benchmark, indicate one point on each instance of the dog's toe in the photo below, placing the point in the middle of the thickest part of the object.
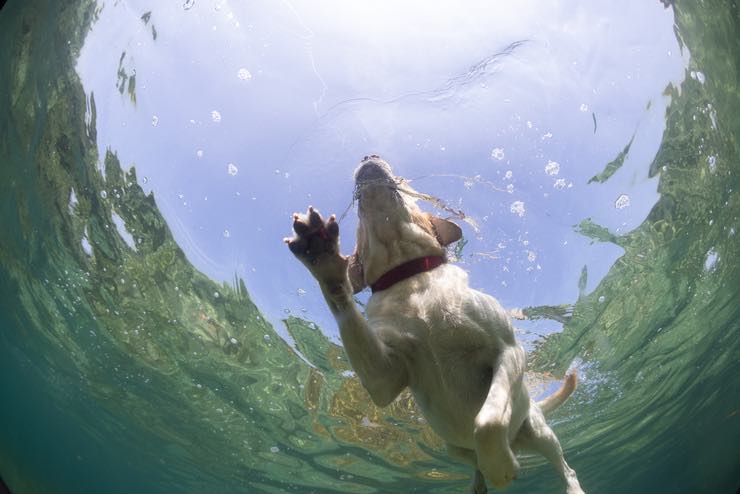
(299, 225)
(314, 218)
(297, 246)
(332, 227)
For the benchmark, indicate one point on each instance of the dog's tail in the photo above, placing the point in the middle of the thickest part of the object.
(558, 397)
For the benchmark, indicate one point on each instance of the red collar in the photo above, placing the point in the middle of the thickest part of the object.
(406, 270)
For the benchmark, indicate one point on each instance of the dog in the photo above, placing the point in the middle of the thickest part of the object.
(427, 330)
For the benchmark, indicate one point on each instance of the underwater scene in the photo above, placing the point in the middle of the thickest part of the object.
(157, 336)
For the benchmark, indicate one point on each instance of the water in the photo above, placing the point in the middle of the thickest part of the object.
(157, 337)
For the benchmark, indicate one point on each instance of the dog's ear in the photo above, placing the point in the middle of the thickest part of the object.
(356, 274)
(447, 231)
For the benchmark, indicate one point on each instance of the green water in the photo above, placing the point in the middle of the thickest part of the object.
(127, 370)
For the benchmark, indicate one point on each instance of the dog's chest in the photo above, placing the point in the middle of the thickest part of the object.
(450, 337)
(448, 359)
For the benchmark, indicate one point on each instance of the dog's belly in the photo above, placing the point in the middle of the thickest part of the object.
(450, 402)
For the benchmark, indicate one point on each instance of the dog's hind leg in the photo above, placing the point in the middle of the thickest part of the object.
(478, 485)
(537, 437)
(500, 417)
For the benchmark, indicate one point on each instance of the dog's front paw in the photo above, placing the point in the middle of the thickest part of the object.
(316, 245)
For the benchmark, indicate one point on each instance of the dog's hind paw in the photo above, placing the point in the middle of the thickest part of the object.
(496, 460)
(316, 244)
(502, 471)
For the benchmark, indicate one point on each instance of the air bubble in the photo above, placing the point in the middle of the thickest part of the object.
(712, 161)
(552, 167)
(497, 153)
(622, 201)
(188, 4)
(698, 75)
(711, 260)
(103, 194)
(244, 74)
(517, 207)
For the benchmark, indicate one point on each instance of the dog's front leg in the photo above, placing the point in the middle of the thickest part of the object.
(379, 367)
(500, 417)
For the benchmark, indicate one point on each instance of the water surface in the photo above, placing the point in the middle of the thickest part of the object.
(158, 337)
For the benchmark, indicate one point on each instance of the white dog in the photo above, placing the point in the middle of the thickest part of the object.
(453, 346)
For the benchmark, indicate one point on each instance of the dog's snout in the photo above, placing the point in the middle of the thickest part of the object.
(373, 168)
(369, 171)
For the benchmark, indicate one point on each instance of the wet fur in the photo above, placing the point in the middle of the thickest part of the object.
(453, 346)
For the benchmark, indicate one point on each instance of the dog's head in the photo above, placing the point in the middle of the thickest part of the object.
(392, 229)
